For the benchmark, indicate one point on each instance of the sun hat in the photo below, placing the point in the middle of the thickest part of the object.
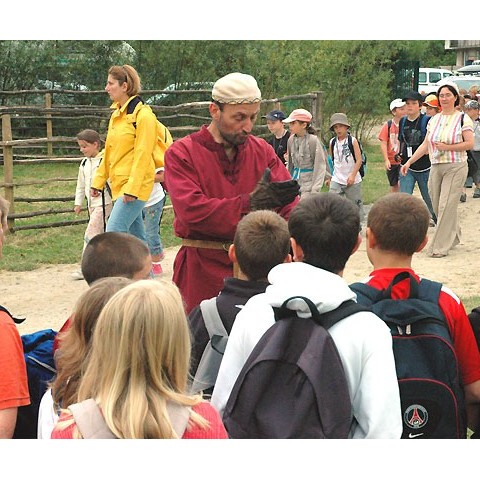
(472, 105)
(451, 84)
(397, 103)
(338, 118)
(275, 115)
(431, 101)
(236, 88)
(300, 114)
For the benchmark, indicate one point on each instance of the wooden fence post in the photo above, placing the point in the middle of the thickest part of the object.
(317, 109)
(48, 105)
(8, 165)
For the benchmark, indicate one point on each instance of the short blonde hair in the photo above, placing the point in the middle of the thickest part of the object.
(140, 359)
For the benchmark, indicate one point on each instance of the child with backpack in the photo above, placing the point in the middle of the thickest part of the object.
(360, 398)
(261, 241)
(390, 143)
(307, 162)
(347, 162)
(442, 341)
(99, 207)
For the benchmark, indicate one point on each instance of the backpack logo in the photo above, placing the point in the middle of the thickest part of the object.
(415, 417)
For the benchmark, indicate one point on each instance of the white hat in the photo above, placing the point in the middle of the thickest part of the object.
(236, 88)
(397, 103)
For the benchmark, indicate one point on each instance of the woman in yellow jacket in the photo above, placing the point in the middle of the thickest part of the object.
(128, 161)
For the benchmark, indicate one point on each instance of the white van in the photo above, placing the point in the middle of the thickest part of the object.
(428, 77)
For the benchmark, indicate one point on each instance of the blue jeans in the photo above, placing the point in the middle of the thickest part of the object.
(407, 184)
(152, 216)
(127, 218)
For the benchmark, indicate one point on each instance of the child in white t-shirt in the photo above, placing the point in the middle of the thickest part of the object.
(346, 179)
(99, 208)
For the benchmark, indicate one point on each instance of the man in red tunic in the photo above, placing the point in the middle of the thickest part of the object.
(216, 176)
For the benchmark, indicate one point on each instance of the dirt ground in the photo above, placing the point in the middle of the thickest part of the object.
(47, 296)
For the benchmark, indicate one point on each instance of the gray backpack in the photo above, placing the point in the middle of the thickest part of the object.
(207, 371)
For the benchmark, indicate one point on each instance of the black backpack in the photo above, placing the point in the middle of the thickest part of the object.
(38, 354)
(431, 392)
(293, 384)
(363, 167)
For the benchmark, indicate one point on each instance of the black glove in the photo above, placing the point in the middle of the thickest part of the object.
(269, 195)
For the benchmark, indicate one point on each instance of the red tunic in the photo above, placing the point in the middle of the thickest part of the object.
(210, 194)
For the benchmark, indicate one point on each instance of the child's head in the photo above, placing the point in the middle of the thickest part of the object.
(399, 223)
(139, 359)
(262, 240)
(76, 341)
(431, 104)
(397, 107)
(89, 142)
(115, 254)
(339, 124)
(274, 121)
(326, 227)
(299, 122)
(414, 101)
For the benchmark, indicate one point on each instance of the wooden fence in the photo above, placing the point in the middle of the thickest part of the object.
(19, 147)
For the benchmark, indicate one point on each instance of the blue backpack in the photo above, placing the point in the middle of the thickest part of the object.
(431, 392)
(38, 354)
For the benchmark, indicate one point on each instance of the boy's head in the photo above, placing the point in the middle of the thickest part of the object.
(89, 142)
(414, 101)
(261, 242)
(399, 224)
(397, 107)
(325, 230)
(115, 254)
(339, 124)
(274, 121)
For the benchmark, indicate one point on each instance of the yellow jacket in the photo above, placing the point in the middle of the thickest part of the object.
(128, 160)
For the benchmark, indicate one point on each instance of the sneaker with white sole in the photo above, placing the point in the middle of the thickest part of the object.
(78, 275)
(476, 193)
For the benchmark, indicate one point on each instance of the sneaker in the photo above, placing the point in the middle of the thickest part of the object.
(463, 197)
(476, 193)
(156, 269)
(78, 275)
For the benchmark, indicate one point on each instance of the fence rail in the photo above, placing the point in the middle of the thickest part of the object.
(24, 141)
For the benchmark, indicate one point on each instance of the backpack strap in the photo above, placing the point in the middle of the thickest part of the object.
(327, 319)
(423, 124)
(91, 423)
(131, 106)
(333, 141)
(209, 364)
(17, 320)
(389, 124)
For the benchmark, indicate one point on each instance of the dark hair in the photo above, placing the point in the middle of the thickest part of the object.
(113, 254)
(262, 240)
(399, 222)
(326, 227)
(453, 90)
(126, 73)
(90, 136)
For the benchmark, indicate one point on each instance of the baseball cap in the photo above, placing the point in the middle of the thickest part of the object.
(472, 105)
(397, 103)
(413, 95)
(300, 114)
(275, 115)
(431, 101)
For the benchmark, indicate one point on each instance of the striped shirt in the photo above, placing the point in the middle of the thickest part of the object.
(447, 129)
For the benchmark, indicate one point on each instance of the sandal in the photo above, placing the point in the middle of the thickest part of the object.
(438, 255)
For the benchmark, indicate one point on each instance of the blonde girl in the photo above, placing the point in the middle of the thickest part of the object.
(138, 368)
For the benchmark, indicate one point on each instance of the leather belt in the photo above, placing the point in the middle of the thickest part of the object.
(188, 242)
